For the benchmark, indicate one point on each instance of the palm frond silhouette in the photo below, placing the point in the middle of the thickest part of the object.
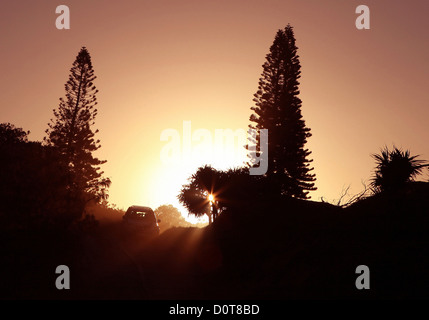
(395, 168)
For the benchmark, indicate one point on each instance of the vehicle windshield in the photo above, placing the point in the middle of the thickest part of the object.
(138, 214)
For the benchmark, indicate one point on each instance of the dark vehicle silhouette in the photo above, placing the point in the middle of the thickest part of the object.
(141, 220)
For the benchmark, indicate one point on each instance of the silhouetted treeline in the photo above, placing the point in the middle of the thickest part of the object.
(33, 183)
(52, 183)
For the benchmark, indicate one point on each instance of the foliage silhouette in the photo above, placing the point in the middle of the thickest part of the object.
(394, 169)
(72, 135)
(229, 189)
(105, 212)
(195, 195)
(33, 183)
(10, 134)
(278, 109)
(169, 217)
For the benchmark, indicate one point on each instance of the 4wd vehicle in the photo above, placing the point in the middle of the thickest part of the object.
(141, 220)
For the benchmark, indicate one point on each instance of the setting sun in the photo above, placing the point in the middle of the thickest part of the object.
(211, 198)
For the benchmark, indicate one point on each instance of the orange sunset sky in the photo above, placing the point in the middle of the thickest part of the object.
(159, 63)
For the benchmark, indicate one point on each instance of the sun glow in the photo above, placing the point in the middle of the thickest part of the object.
(211, 198)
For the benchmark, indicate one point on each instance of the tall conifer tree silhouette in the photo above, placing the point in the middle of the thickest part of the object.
(278, 109)
(72, 134)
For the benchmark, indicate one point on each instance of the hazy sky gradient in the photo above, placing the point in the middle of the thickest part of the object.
(160, 63)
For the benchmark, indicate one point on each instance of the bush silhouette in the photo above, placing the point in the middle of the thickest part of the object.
(169, 217)
(394, 169)
(231, 188)
(34, 184)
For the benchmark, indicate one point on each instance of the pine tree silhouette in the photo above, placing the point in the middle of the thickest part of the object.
(72, 134)
(278, 109)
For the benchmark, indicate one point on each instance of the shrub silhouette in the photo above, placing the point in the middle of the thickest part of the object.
(34, 189)
(231, 188)
(10, 134)
(195, 195)
(170, 217)
(32, 186)
(394, 169)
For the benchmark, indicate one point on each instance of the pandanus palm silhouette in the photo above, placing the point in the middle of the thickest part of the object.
(199, 195)
(210, 191)
(395, 168)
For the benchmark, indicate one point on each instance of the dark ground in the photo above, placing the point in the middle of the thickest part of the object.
(270, 249)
